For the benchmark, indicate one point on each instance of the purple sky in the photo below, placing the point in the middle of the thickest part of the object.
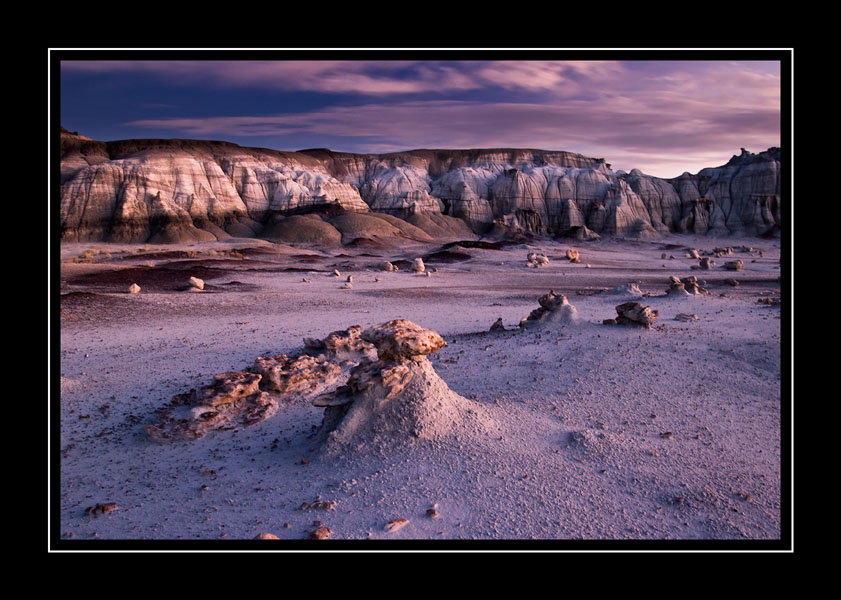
(662, 116)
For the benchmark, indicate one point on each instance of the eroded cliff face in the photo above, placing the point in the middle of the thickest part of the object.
(183, 190)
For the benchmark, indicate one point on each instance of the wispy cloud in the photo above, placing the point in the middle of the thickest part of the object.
(634, 114)
(618, 129)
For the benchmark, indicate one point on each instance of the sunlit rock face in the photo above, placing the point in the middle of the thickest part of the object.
(183, 190)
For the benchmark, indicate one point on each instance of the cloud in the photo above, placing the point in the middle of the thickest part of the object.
(367, 77)
(616, 128)
(661, 112)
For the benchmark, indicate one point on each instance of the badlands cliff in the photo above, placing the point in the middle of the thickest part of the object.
(136, 191)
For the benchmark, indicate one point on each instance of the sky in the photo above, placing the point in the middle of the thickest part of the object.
(663, 116)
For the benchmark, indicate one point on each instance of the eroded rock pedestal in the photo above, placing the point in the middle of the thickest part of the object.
(395, 399)
(554, 308)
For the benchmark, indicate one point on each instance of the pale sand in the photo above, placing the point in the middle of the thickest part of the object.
(590, 431)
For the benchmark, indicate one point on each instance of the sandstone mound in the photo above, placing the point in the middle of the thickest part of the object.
(302, 229)
(375, 226)
(554, 308)
(396, 399)
(441, 226)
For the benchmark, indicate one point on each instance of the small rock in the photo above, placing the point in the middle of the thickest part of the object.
(321, 532)
(335, 274)
(386, 266)
(433, 513)
(732, 282)
(497, 326)
(347, 286)
(733, 265)
(573, 255)
(350, 279)
(134, 289)
(101, 509)
(265, 536)
(418, 266)
(686, 317)
(196, 283)
(396, 524)
(667, 435)
(706, 263)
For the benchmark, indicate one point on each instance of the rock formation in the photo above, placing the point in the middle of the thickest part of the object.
(554, 308)
(685, 286)
(633, 314)
(190, 190)
(232, 399)
(243, 398)
(537, 260)
(396, 398)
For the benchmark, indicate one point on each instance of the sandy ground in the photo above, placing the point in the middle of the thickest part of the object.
(589, 431)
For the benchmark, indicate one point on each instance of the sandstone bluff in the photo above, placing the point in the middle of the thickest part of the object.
(158, 191)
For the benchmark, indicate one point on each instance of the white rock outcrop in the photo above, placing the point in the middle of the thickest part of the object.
(189, 190)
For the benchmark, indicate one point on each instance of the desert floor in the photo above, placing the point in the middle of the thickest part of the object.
(586, 431)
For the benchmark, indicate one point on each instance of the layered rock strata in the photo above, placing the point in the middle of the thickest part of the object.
(187, 190)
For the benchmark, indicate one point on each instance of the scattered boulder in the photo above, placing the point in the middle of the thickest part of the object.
(265, 536)
(693, 253)
(196, 283)
(719, 252)
(733, 265)
(573, 256)
(770, 301)
(554, 308)
(706, 263)
(418, 266)
(232, 399)
(386, 266)
(537, 260)
(321, 531)
(633, 314)
(134, 289)
(677, 287)
(731, 282)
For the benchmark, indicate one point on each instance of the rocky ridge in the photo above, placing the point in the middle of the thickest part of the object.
(187, 190)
